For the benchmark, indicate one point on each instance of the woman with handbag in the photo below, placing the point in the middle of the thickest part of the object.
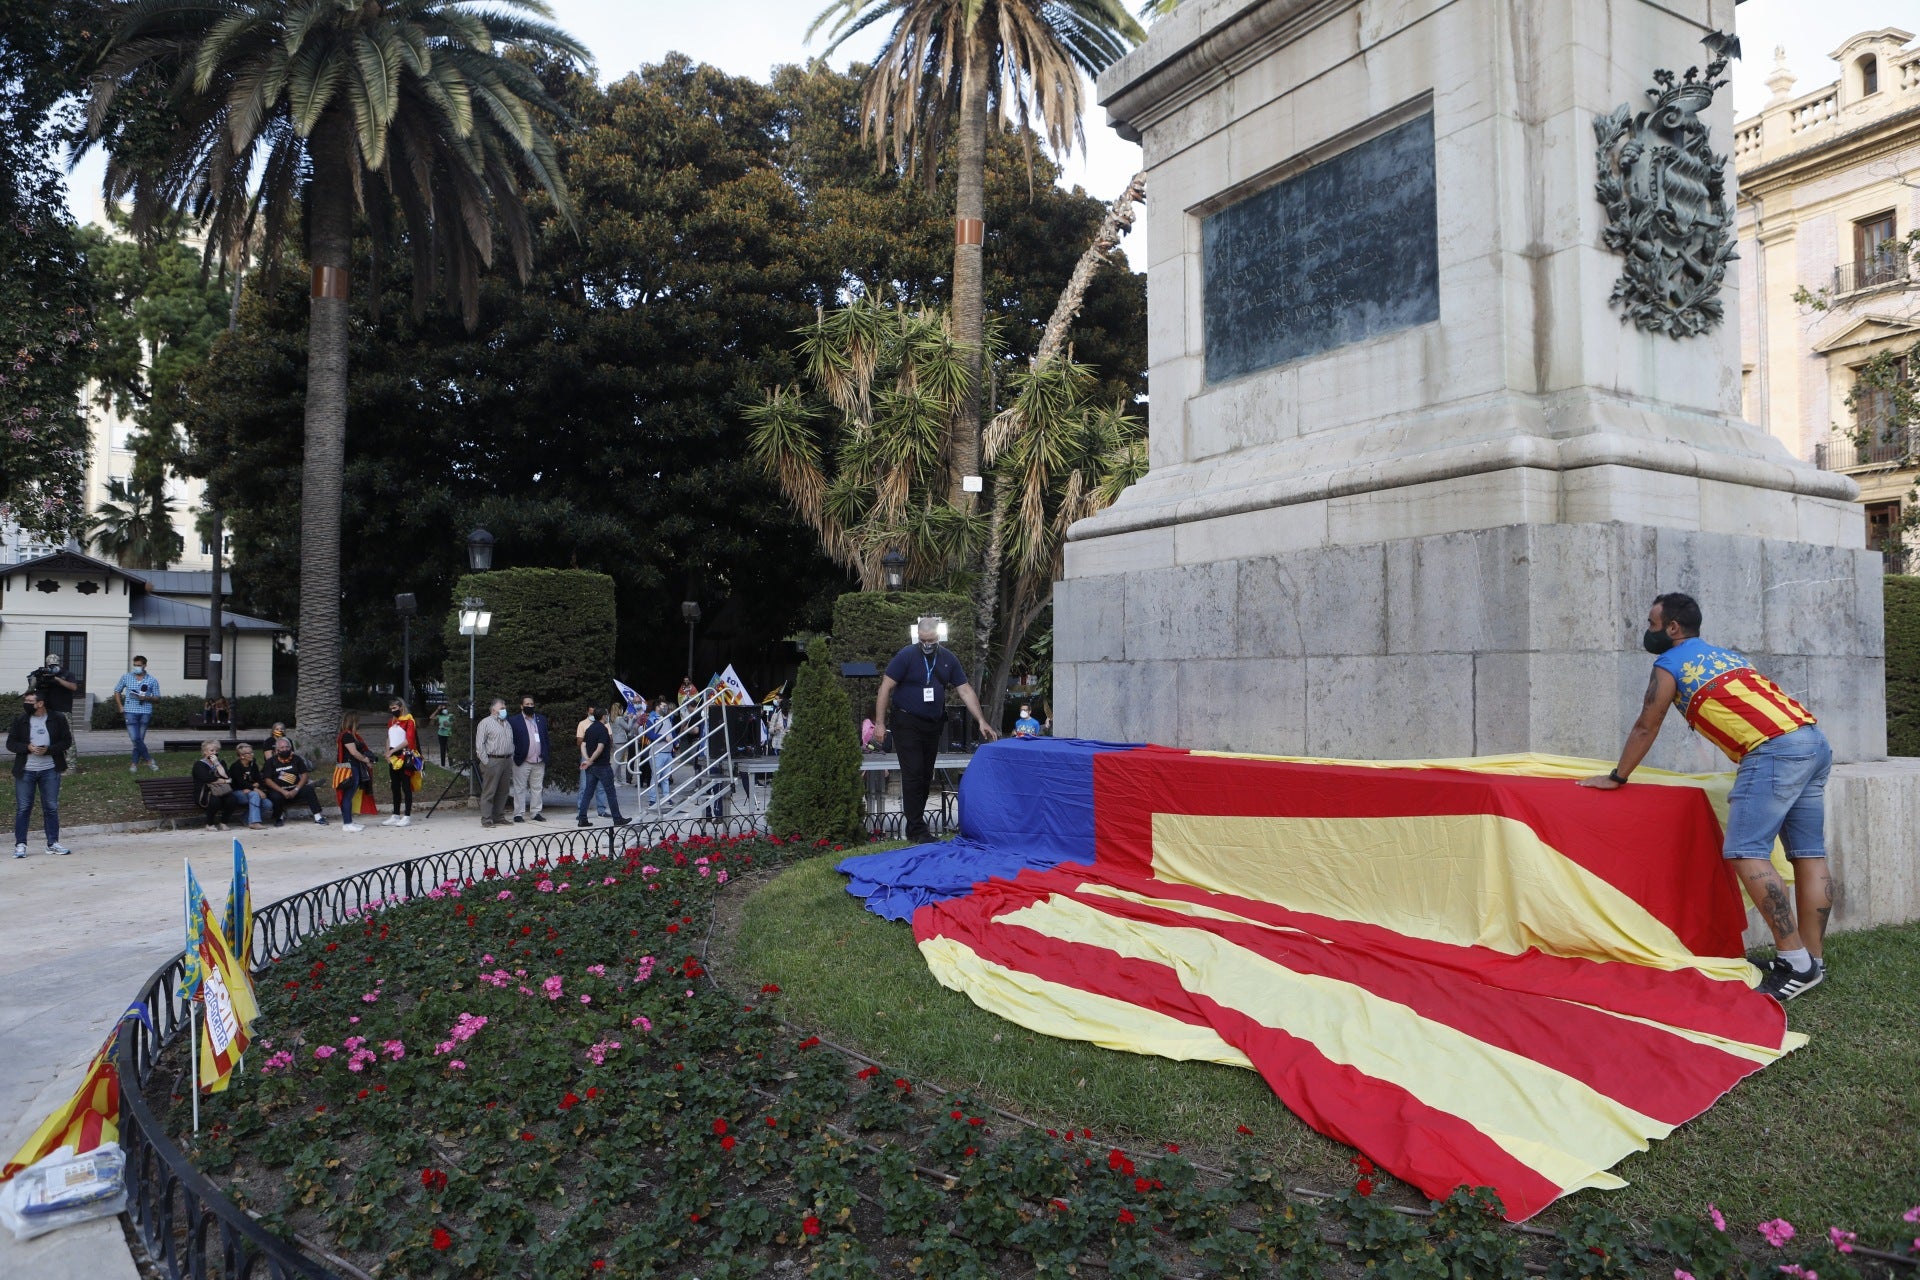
(213, 787)
(352, 768)
(403, 762)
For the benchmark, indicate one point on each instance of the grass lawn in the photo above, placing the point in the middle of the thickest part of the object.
(103, 790)
(1828, 1136)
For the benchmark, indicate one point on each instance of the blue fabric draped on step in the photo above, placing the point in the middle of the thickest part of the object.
(1025, 803)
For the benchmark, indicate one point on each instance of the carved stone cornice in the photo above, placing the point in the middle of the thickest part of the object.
(1836, 155)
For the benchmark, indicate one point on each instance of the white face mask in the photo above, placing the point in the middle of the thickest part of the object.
(502, 713)
(139, 671)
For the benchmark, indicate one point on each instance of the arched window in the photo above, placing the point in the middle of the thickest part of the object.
(1869, 75)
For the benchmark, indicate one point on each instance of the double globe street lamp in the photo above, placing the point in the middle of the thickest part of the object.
(475, 621)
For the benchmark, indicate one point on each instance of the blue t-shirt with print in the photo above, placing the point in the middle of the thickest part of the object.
(139, 692)
(1693, 662)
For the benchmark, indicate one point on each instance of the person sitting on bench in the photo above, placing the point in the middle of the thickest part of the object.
(287, 784)
(213, 787)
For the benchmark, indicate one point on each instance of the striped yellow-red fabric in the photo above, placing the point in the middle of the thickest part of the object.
(1448, 1064)
(1740, 709)
(227, 1005)
(85, 1121)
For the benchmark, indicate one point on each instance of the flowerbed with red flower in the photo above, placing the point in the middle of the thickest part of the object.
(535, 1075)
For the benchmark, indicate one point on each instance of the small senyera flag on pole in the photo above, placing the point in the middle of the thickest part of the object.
(226, 996)
(238, 922)
(86, 1120)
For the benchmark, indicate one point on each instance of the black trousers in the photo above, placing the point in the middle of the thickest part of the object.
(917, 741)
(281, 804)
(402, 791)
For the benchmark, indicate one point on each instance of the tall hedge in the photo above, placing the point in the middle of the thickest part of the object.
(1903, 666)
(816, 790)
(871, 626)
(552, 636)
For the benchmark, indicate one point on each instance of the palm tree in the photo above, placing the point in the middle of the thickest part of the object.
(135, 527)
(953, 62)
(325, 107)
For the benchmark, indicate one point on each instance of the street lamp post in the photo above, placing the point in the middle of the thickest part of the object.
(895, 565)
(690, 610)
(408, 607)
(474, 622)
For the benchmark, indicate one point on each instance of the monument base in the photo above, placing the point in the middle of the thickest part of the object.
(1524, 637)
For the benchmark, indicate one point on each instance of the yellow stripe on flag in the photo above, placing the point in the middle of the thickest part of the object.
(1560, 1127)
(1064, 1012)
(97, 1098)
(1465, 879)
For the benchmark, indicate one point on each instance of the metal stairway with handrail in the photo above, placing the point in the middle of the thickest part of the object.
(691, 743)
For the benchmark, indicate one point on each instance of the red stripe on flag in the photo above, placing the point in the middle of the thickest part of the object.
(1428, 1148)
(1654, 1071)
(1686, 886)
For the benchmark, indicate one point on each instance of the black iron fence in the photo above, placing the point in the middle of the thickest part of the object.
(187, 1224)
(1844, 451)
(1888, 267)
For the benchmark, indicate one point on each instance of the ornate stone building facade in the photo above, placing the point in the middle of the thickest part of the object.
(1829, 194)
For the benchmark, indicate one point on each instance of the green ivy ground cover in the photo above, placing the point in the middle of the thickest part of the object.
(537, 1076)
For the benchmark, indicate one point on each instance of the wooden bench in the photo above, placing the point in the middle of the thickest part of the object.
(170, 798)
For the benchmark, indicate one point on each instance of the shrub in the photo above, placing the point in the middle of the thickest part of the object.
(254, 711)
(1903, 666)
(552, 637)
(816, 790)
(871, 626)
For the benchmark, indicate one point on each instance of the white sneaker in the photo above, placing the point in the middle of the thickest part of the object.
(58, 849)
(154, 765)
(133, 768)
(393, 821)
(353, 826)
(19, 851)
(404, 820)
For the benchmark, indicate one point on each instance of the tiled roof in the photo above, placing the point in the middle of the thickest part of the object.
(160, 613)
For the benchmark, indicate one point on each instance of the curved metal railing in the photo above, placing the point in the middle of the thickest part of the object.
(187, 1225)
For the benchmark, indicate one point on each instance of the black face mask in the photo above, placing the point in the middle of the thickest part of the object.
(1656, 642)
(27, 707)
(526, 711)
(927, 646)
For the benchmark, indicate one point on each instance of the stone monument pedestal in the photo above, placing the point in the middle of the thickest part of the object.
(1414, 479)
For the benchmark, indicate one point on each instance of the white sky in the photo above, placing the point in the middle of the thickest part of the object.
(750, 37)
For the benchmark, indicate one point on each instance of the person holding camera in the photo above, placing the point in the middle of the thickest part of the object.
(134, 695)
(41, 741)
(54, 683)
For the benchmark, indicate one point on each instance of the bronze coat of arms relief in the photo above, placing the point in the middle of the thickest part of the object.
(1665, 194)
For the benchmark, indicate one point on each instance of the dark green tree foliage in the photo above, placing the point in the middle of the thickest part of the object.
(816, 791)
(552, 636)
(46, 293)
(592, 418)
(872, 626)
(1903, 666)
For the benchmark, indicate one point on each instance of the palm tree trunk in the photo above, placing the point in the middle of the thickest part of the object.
(1106, 238)
(330, 235)
(969, 231)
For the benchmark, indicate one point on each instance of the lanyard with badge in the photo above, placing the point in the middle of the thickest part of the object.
(926, 694)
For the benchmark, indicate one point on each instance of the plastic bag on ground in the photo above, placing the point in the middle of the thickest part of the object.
(63, 1189)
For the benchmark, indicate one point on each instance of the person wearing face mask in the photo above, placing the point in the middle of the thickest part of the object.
(493, 752)
(134, 696)
(532, 748)
(40, 741)
(914, 689)
(596, 770)
(1779, 791)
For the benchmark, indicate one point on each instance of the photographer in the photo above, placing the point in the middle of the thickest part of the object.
(54, 684)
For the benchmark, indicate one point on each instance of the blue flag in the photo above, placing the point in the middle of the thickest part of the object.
(631, 698)
(237, 924)
(190, 978)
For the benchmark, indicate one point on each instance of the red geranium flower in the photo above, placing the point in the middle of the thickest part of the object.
(866, 1073)
(599, 1264)
(1364, 1186)
(1362, 1166)
(810, 1225)
(1242, 1129)
(903, 1085)
(1124, 1216)
(570, 1101)
(441, 1240)
(726, 1143)
(1174, 1147)
(1143, 1185)
(770, 988)
(719, 1126)
(956, 1114)
(525, 1136)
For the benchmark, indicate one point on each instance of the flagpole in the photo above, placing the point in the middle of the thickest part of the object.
(193, 1032)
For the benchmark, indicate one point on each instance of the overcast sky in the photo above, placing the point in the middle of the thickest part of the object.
(750, 37)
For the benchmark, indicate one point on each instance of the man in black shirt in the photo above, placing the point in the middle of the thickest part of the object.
(286, 783)
(56, 684)
(596, 767)
(915, 687)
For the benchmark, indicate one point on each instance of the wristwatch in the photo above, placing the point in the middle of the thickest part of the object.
(1614, 773)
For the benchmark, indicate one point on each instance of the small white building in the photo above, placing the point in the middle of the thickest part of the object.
(96, 616)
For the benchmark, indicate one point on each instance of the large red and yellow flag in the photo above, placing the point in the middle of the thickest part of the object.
(85, 1121)
(1474, 975)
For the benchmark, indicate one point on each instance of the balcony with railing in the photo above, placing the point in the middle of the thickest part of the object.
(1879, 271)
(1841, 451)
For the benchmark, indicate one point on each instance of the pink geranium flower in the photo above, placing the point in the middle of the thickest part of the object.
(1777, 1232)
(1842, 1240)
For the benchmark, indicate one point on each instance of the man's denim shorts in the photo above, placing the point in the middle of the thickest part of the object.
(1781, 791)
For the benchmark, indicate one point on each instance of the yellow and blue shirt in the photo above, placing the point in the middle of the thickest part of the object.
(1726, 701)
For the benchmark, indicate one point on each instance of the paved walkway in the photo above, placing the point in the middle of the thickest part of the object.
(78, 935)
